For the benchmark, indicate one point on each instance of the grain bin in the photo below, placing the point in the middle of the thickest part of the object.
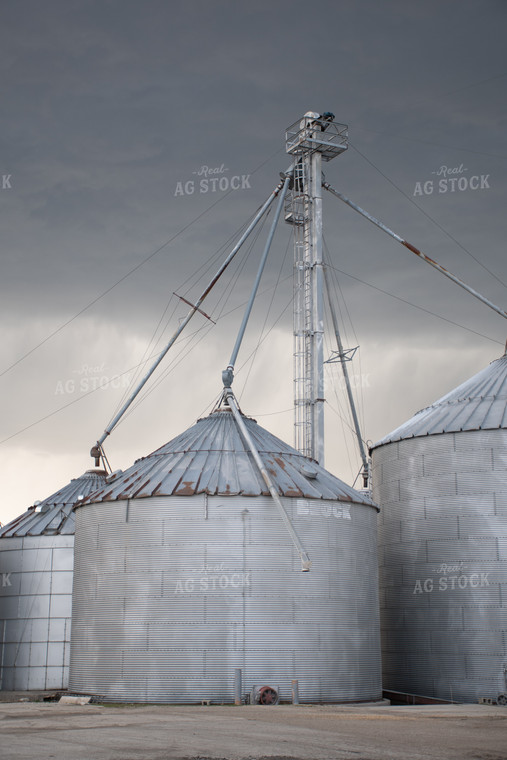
(441, 482)
(184, 573)
(36, 566)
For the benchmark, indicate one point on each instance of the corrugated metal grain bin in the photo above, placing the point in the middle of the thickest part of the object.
(36, 567)
(184, 572)
(441, 483)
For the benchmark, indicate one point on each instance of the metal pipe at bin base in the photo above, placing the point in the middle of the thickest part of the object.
(238, 678)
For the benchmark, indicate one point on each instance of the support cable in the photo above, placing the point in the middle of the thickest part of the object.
(414, 305)
(432, 220)
(96, 450)
(343, 361)
(262, 334)
(230, 400)
(415, 250)
(228, 374)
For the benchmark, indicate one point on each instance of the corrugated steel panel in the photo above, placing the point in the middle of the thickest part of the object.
(479, 403)
(443, 582)
(54, 515)
(185, 571)
(36, 568)
(35, 610)
(219, 586)
(212, 458)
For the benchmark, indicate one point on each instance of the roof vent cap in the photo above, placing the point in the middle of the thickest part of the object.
(113, 475)
(308, 471)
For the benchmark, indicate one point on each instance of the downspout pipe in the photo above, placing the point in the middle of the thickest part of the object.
(230, 400)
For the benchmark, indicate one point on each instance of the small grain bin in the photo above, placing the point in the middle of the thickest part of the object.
(36, 567)
(185, 572)
(441, 483)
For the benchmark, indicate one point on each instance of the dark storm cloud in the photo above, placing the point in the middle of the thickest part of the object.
(107, 106)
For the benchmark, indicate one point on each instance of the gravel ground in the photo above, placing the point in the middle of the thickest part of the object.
(52, 731)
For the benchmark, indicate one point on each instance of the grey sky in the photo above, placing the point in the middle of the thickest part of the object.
(107, 106)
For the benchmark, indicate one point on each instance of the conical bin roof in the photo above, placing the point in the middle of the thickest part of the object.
(54, 515)
(479, 403)
(211, 457)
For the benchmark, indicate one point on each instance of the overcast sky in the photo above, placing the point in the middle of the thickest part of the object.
(112, 112)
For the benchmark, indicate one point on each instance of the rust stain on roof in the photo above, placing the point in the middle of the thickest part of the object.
(226, 467)
(188, 489)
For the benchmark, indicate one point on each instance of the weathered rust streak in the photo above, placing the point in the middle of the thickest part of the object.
(423, 255)
(412, 248)
(188, 489)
